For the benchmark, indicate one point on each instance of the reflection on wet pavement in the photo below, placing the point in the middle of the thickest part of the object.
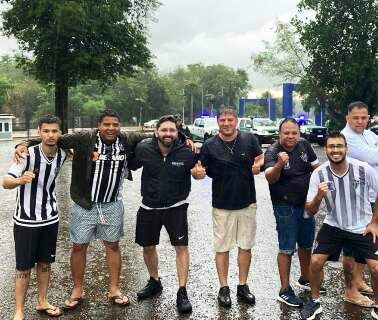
(203, 282)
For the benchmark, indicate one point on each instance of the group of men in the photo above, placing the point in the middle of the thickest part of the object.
(101, 160)
(103, 157)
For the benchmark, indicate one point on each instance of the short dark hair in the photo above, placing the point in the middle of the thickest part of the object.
(289, 119)
(49, 118)
(166, 118)
(358, 105)
(108, 113)
(335, 134)
(229, 110)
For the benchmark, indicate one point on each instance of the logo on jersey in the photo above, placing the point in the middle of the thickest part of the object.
(177, 163)
(355, 183)
(304, 156)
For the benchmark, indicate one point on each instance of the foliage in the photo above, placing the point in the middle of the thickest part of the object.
(71, 42)
(284, 58)
(341, 41)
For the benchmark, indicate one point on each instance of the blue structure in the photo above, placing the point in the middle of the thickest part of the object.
(287, 99)
(270, 101)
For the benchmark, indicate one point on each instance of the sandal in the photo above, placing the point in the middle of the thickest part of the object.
(367, 290)
(362, 302)
(78, 301)
(114, 299)
(50, 311)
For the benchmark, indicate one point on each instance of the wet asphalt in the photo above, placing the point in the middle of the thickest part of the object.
(203, 282)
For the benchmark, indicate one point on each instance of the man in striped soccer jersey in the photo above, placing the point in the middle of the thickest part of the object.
(344, 184)
(99, 166)
(36, 216)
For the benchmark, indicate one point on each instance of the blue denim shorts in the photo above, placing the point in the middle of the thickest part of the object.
(293, 228)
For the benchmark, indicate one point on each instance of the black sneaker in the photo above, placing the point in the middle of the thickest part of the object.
(311, 309)
(374, 313)
(183, 304)
(244, 295)
(288, 296)
(152, 288)
(224, 298)
(305, 285)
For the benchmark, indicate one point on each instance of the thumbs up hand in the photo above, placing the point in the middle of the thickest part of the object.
(198, 171)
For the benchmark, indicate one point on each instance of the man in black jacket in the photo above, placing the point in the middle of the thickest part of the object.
(166, 181)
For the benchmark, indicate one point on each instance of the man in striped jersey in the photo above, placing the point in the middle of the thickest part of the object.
(36, 216)
(362, 145)
(344, 184)
(99, 167)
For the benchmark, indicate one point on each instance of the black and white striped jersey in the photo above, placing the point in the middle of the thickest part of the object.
(108, 170)
(36, 201)
(347, 200)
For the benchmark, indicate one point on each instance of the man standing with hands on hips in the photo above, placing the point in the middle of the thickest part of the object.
(231, 158)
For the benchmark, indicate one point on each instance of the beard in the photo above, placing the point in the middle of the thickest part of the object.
(337, 161)
(166, 143)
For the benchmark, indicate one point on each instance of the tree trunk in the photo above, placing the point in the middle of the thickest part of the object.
(61, 103)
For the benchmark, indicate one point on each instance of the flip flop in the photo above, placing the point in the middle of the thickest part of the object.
(114, 299)
(368, 291)
(45, 311)
(363, 302)
(67, 307)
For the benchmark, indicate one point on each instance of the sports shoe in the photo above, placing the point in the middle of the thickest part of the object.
(374, 313)
(244, 295)
(311, 309)
(288, 296)
(152, 288)
(305, 285)
(183, 304)
(224, 298)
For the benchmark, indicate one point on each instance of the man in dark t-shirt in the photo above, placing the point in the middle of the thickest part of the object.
(288, 166)
(231, 158)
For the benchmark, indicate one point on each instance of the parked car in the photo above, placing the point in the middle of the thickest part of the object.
(374, 128)
(264, 129)
(150, 124)
(313, 133)
(202, 128)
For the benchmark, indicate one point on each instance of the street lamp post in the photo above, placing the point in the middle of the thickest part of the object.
(140, 100)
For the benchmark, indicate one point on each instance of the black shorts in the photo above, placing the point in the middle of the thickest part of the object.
(149, 223)
(331, 240)
(34, 244)
(347, 250)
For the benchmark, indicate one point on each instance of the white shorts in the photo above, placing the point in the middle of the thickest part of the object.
(234, 228)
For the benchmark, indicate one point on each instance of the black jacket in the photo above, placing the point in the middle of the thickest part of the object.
(165, 180)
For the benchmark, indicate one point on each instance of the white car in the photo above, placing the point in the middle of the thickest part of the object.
(150, 124)
(203, 128)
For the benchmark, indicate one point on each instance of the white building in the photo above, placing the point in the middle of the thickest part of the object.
(6, 126)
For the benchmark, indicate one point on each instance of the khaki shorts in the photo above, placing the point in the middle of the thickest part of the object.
(234, 228)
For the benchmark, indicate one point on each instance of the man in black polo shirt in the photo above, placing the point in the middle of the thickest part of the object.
(231, 158)
(288, 166)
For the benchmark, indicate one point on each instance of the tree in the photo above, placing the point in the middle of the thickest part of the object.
(74, 41)
(285, 57)
(341, 41)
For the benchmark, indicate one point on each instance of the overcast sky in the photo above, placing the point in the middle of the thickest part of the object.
(216, 31)
(210, 31)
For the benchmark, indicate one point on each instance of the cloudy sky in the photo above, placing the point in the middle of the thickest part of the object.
(216, 31)
(210, 31)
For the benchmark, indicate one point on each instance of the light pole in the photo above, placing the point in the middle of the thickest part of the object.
(141, 101)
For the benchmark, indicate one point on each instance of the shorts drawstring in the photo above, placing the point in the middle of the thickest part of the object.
(102, 218)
